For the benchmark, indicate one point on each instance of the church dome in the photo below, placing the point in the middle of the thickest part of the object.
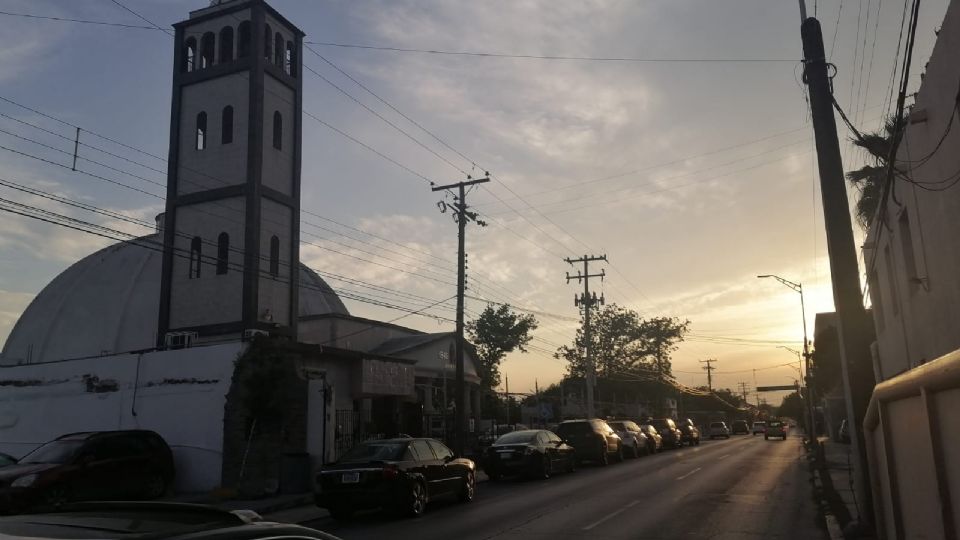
(108, 302)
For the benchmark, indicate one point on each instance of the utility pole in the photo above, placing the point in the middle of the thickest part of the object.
(461, 215)
(709, 369)
(743, 390)
(587, 302)
(855, 359)
(755, 385)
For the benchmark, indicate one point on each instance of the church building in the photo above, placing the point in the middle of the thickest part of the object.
(210, 331)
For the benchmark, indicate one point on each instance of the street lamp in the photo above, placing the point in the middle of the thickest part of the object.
(798, 287)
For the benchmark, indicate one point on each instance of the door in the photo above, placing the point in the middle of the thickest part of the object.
(448, 478)
(426, 465)
(549, 449)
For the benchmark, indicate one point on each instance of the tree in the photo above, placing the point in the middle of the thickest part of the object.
(792, 407)
(869, 179)
(623, 342)
(495, 333)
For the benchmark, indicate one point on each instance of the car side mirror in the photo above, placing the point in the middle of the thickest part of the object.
(448, 459)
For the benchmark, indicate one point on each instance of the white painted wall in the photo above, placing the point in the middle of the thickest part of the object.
(274, 294)
(188, 416)
(278, 164)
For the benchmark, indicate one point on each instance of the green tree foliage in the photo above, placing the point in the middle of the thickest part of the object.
(870, 178)
(792, 407)
(623, 342)
(495, 333)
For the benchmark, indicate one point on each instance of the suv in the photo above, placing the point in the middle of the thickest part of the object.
(775, 428)
(592, 440)
(688, 432)
(719, 429)
(634, 441)
(740, 427)
(759, 427)
(89, 465)
(667, 428)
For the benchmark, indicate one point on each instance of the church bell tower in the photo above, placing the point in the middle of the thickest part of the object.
(231, 230)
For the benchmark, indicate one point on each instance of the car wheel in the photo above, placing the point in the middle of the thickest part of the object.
(618, 457)
(416, 501)
(572, 466)
(469, 488)
(545, 468)
(634, 453)
(766, 438)
(57, 496)
(604, 458)
(155, 486)
(340, 513)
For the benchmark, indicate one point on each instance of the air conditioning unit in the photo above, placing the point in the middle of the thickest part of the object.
(179, 340)
(252, 333)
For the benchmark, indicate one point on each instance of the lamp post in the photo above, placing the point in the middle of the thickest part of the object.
(798, 287)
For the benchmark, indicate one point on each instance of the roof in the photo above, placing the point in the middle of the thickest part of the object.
(403, 344)
(109, 302)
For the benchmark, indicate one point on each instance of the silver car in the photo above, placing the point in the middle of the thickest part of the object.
(634, 441)
(719, 429)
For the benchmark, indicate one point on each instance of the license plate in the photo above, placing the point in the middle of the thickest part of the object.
(350, 478)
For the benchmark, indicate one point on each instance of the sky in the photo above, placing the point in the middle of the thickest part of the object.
(693, 177)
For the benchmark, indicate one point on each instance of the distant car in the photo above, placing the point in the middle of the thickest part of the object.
(688, 432)
(758, 427)
(739, 427)
(719, 429)
(102, 465)
(775, 428)
(667, 428)
(401, 474)
(634, 441)
(535, 452)
(7, 459)
(654, 440)
(153, 520)
(592, 440)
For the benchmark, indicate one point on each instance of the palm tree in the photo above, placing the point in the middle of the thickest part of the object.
(869, 179)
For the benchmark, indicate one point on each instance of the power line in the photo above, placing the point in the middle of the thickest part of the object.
(82, 21)
(142, 18)
(548, 57)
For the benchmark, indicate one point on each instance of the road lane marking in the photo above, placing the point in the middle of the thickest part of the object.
(689, 473)
(611, 515)
(724, 456)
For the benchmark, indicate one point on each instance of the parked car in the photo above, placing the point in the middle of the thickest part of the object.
(775, 428)
(395, 474)
(592, 440)
(113, 465)
(153, 520)
(689, 433)
(719, 429)
(6, 459)
(759, 427)
(534, 452)
(667, 428)
(739, 427)
(654, 440)
(634, 441)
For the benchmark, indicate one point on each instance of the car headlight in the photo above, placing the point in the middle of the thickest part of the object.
(24, 481)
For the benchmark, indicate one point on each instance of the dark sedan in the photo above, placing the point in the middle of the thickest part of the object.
(534, 452)
(402, 475)
(667, 428)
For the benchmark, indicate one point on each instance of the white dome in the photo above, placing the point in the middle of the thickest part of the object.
(109, 302)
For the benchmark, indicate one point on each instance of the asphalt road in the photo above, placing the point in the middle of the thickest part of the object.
(741, 488)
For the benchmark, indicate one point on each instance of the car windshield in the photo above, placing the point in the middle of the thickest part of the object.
(647, 428)
(518, 437)
(375, 451)
(618, 426)
(53, 452)
(775, 424)
(717, 424)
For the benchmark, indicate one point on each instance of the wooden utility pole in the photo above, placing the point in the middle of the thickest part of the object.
(743, 390)
(709, 369)
(587, 302)
(856, 365)
(461, 215)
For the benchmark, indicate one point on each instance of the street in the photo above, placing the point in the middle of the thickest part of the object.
(744, 487)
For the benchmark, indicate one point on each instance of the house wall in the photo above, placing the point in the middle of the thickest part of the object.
(155, 391)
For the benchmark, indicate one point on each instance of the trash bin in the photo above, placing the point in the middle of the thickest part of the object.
(295, 473)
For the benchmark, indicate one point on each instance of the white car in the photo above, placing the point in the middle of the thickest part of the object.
(634, 441)
(759, 427)
(719, 429)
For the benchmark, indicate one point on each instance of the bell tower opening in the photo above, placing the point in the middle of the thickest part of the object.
(231, 231)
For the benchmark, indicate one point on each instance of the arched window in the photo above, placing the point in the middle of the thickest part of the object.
(201, 131)
(195, 256)
(223, 252)
(226, 125)
(267, 42)
(278, 50)
(243, 40)
(226, 44)
(207, 45)
(291, 67)
(189, 55)
(277, 130)
(274, 256)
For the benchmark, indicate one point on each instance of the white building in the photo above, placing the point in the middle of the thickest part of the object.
(155, 333)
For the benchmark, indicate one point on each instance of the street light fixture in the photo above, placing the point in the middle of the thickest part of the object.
(798, 288)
